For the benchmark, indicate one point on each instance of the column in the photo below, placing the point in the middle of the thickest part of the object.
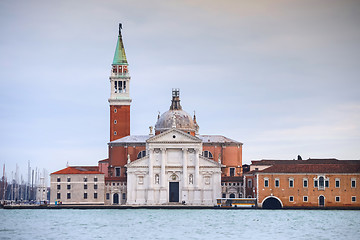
(197, 192)
(197, 160)
(163, 180)
(184, 195)
(150, 192)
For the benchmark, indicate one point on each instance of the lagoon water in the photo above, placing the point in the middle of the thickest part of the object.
(179, 224)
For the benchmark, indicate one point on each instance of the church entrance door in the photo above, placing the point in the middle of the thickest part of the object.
(116, 198)
(173, 192)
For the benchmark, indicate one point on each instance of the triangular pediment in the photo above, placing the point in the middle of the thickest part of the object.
(174, 136)
(141, 162)
(208, 162)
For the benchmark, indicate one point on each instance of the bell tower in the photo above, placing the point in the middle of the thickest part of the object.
(120, 93)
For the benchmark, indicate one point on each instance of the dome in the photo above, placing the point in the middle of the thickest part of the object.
(183, 121)
(176, 117)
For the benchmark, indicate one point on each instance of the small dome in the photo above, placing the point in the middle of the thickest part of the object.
(183, 121)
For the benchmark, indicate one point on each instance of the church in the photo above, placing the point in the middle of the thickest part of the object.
(172, 164)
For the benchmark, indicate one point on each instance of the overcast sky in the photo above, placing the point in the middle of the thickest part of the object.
(280, 76)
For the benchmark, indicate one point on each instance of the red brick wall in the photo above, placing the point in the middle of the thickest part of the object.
(103, 167)
(118, 156)
(283, 192)
(231, 156)
(122, 117)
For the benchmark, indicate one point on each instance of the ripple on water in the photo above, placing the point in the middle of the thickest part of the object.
(178, 224)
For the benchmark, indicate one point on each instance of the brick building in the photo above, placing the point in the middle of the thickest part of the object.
(311, 183)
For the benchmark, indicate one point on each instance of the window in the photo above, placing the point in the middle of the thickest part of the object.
(353, 183)
(69, 179)
(115, 122)
(120, 86)
(353, 199)
(85, 179)
(115, 133)
(68, 186)
(85, 186)
(107, 196)
(337, 183)
(337, 199)
(305, 182)
(58, 179)
(305, 199)
(321, 182)
(95, 195)
(115, 110)
(85, 195)
(232, 195)
(191, 179)
(95, 179)
(266, 182)
(124, 196)
(326, 183)
(291, 182)
(58, 196)
(291, 198)
(277, 182)
(240, 195)
(249, 183)
(95, 186)
(117, 171)
(58, 187)
(224, 195)
(141, 154)
(232, 172)
(207, 154)
(68, 196)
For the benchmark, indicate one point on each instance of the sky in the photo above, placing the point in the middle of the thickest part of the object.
(280, 76)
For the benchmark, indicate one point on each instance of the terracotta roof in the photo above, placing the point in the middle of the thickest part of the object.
(313, 168)
(79, 170)
(308, 161)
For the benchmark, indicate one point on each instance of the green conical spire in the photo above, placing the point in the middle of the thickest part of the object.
(120, 56)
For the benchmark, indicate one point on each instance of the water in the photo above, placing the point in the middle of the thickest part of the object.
(179, 224)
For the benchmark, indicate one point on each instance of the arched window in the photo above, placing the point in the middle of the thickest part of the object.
(232, 195)
(249, 183)
(207, 154)
(141, 154)
(321, 182)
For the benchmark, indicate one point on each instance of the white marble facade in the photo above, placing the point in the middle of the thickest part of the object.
(173, 171)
